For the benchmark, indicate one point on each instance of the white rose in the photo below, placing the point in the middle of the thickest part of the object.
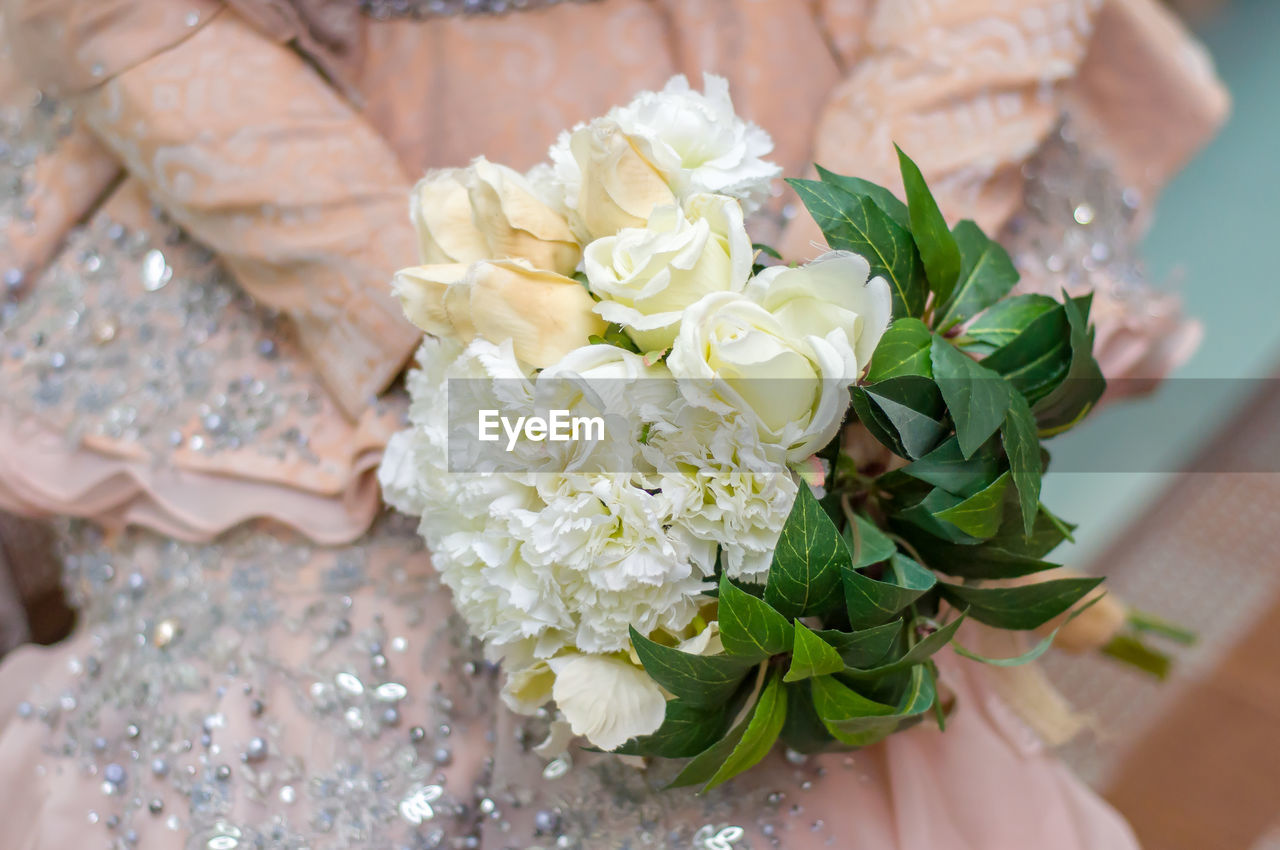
(490, 212)
(697, 141)
(647, 276)
(831, 293)
(732, 354)
(606, 699)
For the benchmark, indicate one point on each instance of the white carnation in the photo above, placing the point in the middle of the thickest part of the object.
(729, 488)
(551, 560)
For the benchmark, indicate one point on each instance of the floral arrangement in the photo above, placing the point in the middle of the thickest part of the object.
(732, 565)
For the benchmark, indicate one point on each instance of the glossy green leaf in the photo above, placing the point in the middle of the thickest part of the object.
(883, 198)
(804, 578)
(871, 602)
(903, 350)
(867, 543)
(811, 656)
(1038, 358)
(1034, 652)
(947, 468)
(685, 731)
(762, 731)
(1005, 321)
(1083, 385)
(916, 654)
(938, 248)
(865, 647)
(977, 398)
(1027, 606)
(985, 561)
(856, 223)
(986, 275)
(876, 422)
(979, 515)
(803, 730)
(856, 721)
(702, 681)
(749, 628)
(924, 516)
(913, 405)
(1022, 447)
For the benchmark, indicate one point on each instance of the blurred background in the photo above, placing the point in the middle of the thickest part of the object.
(1177, 496)
(1183, 511)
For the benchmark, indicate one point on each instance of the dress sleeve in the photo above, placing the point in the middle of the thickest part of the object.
(968, 88)
(256, 156)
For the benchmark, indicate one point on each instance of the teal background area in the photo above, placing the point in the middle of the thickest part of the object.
(1216, 241)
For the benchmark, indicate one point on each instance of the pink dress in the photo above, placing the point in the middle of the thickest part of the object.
(195, 357)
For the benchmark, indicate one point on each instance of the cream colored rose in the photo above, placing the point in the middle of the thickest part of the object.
(489, 212)
(606, 699)
(732, 354)
(440, 207)
(517, 223)
(608, 184)
(832, 293)
(647, 276)
(544, 314)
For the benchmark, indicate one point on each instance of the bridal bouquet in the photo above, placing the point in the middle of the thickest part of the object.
(703, 501)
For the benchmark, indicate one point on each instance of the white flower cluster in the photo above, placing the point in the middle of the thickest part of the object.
(553, 556)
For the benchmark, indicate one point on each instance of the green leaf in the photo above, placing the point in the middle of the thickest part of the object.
(1083, 385)
(913, 405)
(759, 732)
(856, 223)
(1038, 358)
(1034, 652)
(1134, 652)
(986, 275)
(1005, 321)
(938, 248)
(1145, 621)
(762, 248)
(804, 730)
(876, 422)
(804, 578)
(976, 397)
(979, 515)
(872, 602)
(702, 681)
(986, 561)
(749, 628)
(883, 198)
(924, 515)
(867, 543)
(917, 654)
(1022, 447)
(865, 647)
(856, 721)
(903, 350)
(1046, 533)
(685, 731)
(1027, 606)
(947, 468)
(812, 656)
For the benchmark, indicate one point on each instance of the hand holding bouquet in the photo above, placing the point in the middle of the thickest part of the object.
(715, 567)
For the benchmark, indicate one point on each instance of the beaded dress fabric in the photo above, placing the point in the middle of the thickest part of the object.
(196, 346)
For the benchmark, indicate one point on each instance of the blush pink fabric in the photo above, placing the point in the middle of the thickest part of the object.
(302, 193)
